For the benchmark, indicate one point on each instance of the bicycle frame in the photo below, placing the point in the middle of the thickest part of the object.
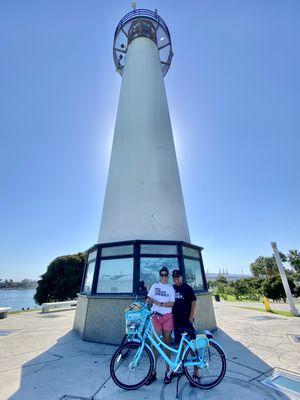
(136, 353)
(158, 344)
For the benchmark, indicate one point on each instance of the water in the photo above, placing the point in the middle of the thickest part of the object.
(16, 299)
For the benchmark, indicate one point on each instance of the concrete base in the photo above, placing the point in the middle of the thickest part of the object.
(101, 319)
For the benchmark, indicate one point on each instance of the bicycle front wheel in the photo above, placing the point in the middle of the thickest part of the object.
(208, 364)
(129, 368)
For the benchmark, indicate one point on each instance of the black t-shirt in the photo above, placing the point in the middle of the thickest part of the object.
(184, 295)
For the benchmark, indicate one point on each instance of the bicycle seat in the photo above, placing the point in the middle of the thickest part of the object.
(191, 332)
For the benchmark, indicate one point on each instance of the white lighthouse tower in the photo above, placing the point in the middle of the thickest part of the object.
(144, 224)
(143, 197)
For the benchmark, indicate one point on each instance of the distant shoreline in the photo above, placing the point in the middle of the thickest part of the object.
(19, 288)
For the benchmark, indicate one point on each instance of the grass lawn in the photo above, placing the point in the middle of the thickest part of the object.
(230, 297)
(284, 313)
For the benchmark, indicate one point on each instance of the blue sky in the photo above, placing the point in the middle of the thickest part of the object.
(234, 94)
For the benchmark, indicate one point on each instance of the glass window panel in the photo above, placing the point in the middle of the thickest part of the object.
(149, 271)
(116, 276)
(188, 251)
(193, 274)
(158, 249)
(92, 255)
(117, 251)
(88, 281)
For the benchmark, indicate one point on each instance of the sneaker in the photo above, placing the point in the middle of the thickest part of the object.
(151, 379)
(197, 379)
(167, 378)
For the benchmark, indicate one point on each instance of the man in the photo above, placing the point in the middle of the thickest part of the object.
(162, 296)
(184, 311)
(184, 308)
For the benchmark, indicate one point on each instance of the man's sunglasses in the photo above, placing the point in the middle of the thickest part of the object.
(163, 275)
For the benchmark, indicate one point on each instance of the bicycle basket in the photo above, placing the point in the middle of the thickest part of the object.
(135, 319)
(201, 341)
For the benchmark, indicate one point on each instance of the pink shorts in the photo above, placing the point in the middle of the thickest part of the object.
(164, 323)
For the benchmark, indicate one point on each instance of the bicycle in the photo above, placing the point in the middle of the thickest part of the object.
(133, 362)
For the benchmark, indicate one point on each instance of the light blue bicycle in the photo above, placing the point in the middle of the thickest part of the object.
(133, 362)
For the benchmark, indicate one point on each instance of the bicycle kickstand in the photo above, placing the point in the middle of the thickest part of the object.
(177, 385)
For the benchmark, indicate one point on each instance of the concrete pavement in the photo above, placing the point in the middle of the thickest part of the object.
(42, 358)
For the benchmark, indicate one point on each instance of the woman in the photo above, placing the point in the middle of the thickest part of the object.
(162, 297)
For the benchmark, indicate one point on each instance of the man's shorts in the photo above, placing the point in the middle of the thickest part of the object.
(164, 322)
(187, 327)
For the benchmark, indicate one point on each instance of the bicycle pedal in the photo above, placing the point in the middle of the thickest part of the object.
(177, 374)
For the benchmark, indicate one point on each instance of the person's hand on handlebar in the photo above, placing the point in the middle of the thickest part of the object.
(149, 301)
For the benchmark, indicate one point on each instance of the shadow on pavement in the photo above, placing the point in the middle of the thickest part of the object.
(70, 367)
(75, 369)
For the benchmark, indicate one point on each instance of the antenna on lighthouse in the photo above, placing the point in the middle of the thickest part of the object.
(133, 4)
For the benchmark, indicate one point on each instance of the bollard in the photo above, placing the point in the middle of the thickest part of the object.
(266, 302)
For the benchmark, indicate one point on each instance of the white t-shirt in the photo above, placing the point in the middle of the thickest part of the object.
(163, 294)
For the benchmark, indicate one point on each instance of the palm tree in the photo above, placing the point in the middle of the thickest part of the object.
(294, 259)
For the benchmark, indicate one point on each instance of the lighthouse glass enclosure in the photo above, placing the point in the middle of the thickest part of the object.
(132, 267)
(142, 23)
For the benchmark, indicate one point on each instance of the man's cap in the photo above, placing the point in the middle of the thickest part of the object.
(176, 273)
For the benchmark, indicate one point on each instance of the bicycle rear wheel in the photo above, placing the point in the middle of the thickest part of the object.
(121, 370)
(214, 368)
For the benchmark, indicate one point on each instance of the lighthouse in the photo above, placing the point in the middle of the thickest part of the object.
(143, 225)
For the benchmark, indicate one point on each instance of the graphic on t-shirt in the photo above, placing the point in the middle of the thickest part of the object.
(179, 295)
(160, 292)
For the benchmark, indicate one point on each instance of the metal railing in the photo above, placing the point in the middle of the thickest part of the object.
(143, 13)
(158, 22)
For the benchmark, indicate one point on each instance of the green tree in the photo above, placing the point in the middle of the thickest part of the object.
(219, 285)
(62, 279)
(240, 288)
(258, 267)
(293, 257)
(249, 288)
(265, 266)
(273, 288)
(221, 279)
(228, 291)
(210, 284)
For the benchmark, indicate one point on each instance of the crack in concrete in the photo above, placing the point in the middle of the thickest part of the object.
(98, 390)
(262, 374)
(70, 397)
(245, 366)
(242, 374)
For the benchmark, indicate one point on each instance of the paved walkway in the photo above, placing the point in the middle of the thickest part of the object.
(42, 358)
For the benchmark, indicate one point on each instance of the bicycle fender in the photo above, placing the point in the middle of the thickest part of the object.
(212, 340)
(190, 345)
